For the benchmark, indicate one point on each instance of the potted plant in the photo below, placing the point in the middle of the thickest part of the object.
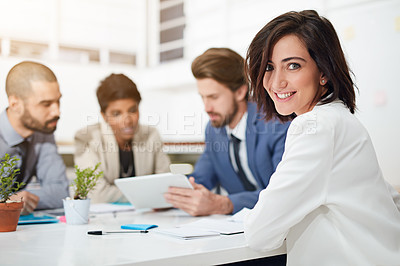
(77, 209)
(9, 210)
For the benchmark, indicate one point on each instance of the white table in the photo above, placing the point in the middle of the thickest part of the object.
(62, 244)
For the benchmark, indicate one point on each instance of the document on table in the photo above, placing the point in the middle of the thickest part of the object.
(239, 216)
(110, 207)
(205, 227)
(187, 233)
(223, 227)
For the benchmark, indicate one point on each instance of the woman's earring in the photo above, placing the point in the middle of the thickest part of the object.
(323, 82)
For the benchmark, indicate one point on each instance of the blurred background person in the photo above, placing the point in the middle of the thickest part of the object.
(242, 150)
(26, 131)
(124, 147)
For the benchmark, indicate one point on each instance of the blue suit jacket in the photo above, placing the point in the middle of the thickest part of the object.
(265, 144)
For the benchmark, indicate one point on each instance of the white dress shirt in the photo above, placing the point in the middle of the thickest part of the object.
(240, 132)
(328, 197)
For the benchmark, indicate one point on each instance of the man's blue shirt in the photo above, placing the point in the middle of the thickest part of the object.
(42, 161)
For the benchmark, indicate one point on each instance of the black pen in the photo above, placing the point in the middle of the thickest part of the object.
(115, 232)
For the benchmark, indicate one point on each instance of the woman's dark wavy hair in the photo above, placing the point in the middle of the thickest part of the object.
(323, 45)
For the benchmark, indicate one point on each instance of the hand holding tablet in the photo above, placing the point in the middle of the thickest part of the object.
(148, 191)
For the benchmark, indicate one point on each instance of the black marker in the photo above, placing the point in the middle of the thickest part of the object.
(98, 233)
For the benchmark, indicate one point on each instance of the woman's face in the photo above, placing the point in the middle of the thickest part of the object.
(292, 78)
(122, 116)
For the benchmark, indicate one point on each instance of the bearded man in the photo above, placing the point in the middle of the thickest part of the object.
(242, 150)
(26, 131)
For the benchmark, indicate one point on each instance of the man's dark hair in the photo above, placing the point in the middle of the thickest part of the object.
(223, 65)
(116, 87)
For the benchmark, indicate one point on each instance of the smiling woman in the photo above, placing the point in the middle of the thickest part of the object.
(124, 147)
(327, 197)
(292, 78)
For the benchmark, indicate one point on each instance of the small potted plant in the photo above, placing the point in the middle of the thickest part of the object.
(9, 210)
(77, 209)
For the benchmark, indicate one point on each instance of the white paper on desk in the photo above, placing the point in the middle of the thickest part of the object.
(223, 227)
(109, 208)
(239, 216)
(187, 232)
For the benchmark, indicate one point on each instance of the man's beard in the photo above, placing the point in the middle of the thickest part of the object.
(228, 118)
(33, 124)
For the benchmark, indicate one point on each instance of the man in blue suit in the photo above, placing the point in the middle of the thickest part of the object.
(242, 150)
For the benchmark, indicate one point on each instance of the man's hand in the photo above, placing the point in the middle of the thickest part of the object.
(199, 201)
(30, 201)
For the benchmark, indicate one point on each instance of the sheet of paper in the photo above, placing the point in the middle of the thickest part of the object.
(224, 227)
(55, 212)
(187, 232)
(239, 216)
(110, 207)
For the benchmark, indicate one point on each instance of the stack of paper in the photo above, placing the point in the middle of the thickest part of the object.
(110, 207)
(187, 233)
(203, 228)
(223, 227)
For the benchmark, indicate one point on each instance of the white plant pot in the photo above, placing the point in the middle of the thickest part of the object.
(76, 211)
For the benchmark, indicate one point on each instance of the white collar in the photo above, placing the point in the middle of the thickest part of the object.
(240, 130)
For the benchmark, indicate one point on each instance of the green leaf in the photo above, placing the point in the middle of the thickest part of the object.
(85, 181)
(8, 172)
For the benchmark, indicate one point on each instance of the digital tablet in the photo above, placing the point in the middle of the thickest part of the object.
(148, 191)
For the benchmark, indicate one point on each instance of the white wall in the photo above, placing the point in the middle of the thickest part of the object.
(370, 34)
(369, 31)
